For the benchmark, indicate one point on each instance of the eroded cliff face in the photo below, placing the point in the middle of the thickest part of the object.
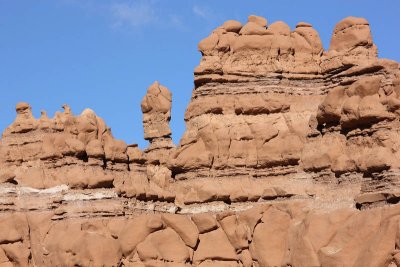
(270, 102)
(290, 158)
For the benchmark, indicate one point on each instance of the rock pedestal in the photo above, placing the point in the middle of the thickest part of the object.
(156, 108)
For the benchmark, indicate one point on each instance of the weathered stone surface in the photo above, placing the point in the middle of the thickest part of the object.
(214, 245)
(232, 26)
(136, 230)
(82, 244)
(165, 245)
(290, 158)
(186, 229)
(156, 108)
(205, 222)
(79, 151)
(349, 33)
(309, 238)
(258, 20)
(269, 246)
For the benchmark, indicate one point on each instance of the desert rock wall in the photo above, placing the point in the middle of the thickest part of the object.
(281, 105)
(279, 234)
(290, 158)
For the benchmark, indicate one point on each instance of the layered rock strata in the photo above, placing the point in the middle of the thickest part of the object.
(290, 158)
(270, 101)
(78, 151)
(104, 232)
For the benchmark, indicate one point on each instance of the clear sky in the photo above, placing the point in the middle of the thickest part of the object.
(104, 54)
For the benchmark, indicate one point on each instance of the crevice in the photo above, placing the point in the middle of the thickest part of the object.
(13, 181)
(83, 156)
(6, 242)
(104, 163)
(393, 200)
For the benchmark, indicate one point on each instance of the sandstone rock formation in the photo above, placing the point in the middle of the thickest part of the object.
(290, 158)
(78, 151)
(156, 108)
(273, 102)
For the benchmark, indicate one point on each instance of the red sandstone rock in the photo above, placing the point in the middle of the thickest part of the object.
(258, 20)
(349, 33)
(284, 143)
(163, 245)
(186, 229)
(232, 26)
(214, 245)
(156, 108)
(205, 222)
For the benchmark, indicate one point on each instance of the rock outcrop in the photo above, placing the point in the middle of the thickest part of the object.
(78, 151)
(290, 158)
(156, 108)
(272, 103)
(266, 235)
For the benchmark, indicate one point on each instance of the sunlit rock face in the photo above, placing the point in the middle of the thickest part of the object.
(290, 158)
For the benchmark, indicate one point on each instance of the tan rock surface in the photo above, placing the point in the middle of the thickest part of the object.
(156, 108)
(290, 158)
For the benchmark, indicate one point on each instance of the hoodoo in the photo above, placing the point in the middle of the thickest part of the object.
(291, 157)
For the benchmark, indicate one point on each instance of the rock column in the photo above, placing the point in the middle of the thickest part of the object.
(156, 108)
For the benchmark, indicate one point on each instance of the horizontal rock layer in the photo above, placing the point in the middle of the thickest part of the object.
(95, 229)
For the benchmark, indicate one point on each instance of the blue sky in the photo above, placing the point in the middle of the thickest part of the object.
(104, 54)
